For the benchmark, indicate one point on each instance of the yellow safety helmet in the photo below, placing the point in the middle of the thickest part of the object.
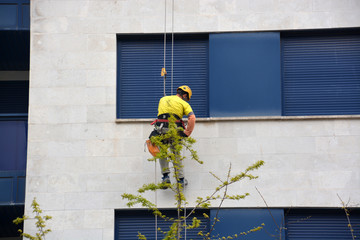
(186, 89)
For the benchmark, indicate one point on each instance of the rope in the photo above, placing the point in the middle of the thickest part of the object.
(164, 95)
(185, 220)
(156, 220)
(172, 46)
(172, 74)
(183, 152)
(165, 48)
(156, 203)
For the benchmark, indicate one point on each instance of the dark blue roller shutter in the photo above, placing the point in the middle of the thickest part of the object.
(7, 228)
(13, 145)
(324, 224)
(14, 99)
(321, 74)
(129, 223)
(14, 50)
(140, 86)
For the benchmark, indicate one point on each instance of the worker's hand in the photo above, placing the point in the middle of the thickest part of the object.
(187, 132)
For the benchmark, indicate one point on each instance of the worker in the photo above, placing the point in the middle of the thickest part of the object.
(177, 106)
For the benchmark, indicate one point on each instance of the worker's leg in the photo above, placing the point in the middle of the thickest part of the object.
(179, 168)
(164, 165)
(180, 173)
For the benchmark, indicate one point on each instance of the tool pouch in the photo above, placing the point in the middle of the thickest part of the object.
(153, 149)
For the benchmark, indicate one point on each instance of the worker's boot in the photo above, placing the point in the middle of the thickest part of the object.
(165, 182)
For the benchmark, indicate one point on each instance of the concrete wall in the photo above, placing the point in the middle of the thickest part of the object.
(124, 16)
(80, 161)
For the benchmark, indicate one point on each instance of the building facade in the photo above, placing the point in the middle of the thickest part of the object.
(273, 80)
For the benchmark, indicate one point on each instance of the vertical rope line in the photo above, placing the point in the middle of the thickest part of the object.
(156, 203)
(165, 48)
(156, 235)
(185, 219)
(172, 47)
(184, 205)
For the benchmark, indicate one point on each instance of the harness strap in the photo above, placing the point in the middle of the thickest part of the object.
(166, 120)
(159, 120)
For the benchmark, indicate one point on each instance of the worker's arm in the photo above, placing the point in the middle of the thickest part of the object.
(191, 124)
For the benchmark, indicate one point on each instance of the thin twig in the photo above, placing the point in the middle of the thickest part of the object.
(217, 177)
(209, 198)
(222, 200)
(347, 216)
(267, 206)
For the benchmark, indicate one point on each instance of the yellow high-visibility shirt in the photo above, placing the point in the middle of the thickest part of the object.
(174, 105)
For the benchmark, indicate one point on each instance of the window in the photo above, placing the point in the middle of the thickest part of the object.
(14, 14)
(9, 230)
(295, 73)
(245, 74)
(321, 73)
(139, 84)
(14, 99)
(319, 224)
(128, 223)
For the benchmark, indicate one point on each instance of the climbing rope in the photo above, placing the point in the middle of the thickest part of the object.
(172, 46)
(185, 219)
(155, 203)
(163, 70)
(163, 74)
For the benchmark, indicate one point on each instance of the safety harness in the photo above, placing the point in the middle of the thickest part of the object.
(164, 118)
